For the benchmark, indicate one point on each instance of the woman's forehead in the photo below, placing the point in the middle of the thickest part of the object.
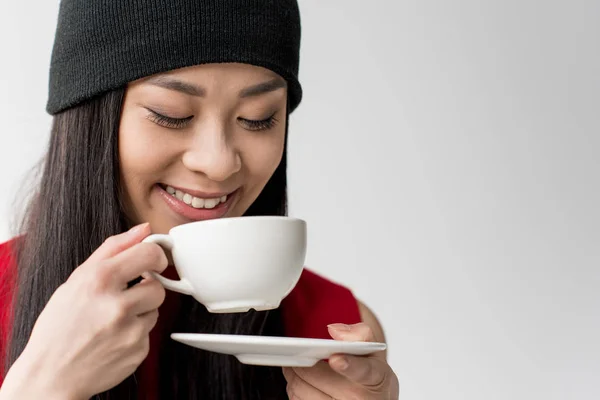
(210, 74)
(230, 80)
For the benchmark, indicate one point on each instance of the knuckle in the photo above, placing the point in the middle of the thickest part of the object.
(160, 291)
(135, 338)
(154, 255)
(156, 292)
(101, 278)
(124, 308)
(112, 319)
(118, 312)
(111, 241)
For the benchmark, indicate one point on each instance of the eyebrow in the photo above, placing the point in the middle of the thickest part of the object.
(262, 88)
(193, 90)
(177, 85)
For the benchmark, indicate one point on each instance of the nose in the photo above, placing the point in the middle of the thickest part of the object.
(213, 154)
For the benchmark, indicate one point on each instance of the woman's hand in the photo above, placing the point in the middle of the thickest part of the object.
(93, 333)
(345, 377)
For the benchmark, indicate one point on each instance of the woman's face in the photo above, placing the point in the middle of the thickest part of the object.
(200, 143)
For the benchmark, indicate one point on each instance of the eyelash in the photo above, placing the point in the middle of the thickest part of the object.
(262, 125)
(178, 123)
(168, 122)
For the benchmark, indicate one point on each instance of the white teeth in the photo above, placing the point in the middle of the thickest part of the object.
(195, 202)
(211, 203)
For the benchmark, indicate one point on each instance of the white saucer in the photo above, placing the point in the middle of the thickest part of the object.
(276, 351)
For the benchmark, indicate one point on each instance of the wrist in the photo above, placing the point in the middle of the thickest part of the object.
(26, 379)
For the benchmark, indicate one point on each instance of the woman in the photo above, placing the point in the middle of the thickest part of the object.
(165, 112)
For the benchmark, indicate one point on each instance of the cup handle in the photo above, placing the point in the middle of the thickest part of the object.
(181, 286)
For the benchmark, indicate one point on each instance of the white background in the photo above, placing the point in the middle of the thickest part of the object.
(446, 159)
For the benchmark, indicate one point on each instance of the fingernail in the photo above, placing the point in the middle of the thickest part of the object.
(339, 327)
(342, 364)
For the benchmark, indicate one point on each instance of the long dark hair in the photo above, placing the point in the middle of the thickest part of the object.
(76, 207)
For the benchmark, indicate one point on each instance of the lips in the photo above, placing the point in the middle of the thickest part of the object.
(208, 201)
(188, 203)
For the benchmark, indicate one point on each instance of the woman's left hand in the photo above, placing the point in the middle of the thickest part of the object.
(345, 377)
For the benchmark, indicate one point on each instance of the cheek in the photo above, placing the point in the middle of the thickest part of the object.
(262, 159)
(142, 154)
(142, 159)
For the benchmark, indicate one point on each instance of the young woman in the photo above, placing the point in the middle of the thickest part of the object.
(165, 112)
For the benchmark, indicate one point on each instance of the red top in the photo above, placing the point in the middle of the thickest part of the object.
(314, 303)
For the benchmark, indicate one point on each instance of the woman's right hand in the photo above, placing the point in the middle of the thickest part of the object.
(94, 331)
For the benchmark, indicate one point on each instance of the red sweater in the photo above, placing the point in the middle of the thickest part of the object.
(314, 303)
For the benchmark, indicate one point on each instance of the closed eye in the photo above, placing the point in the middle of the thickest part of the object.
(258, 125)
(168, 122)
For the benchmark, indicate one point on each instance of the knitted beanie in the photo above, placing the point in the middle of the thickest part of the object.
(101, 45)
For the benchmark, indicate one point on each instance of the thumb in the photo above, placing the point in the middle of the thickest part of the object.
(360, 332)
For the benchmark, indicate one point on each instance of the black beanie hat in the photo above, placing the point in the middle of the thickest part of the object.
(101, 45)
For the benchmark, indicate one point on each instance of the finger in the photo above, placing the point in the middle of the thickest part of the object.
(146, 296)
(298, 389)
(149, 320)
(322, 377)
(360, 332)
(118, 243)
(133, 262)
(368, 372)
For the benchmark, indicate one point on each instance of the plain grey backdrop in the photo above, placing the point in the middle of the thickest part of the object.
(445, 157)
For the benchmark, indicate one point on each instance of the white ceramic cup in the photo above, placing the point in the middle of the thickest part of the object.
(236, 264)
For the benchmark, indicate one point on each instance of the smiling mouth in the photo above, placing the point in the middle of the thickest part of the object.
(208, 201)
